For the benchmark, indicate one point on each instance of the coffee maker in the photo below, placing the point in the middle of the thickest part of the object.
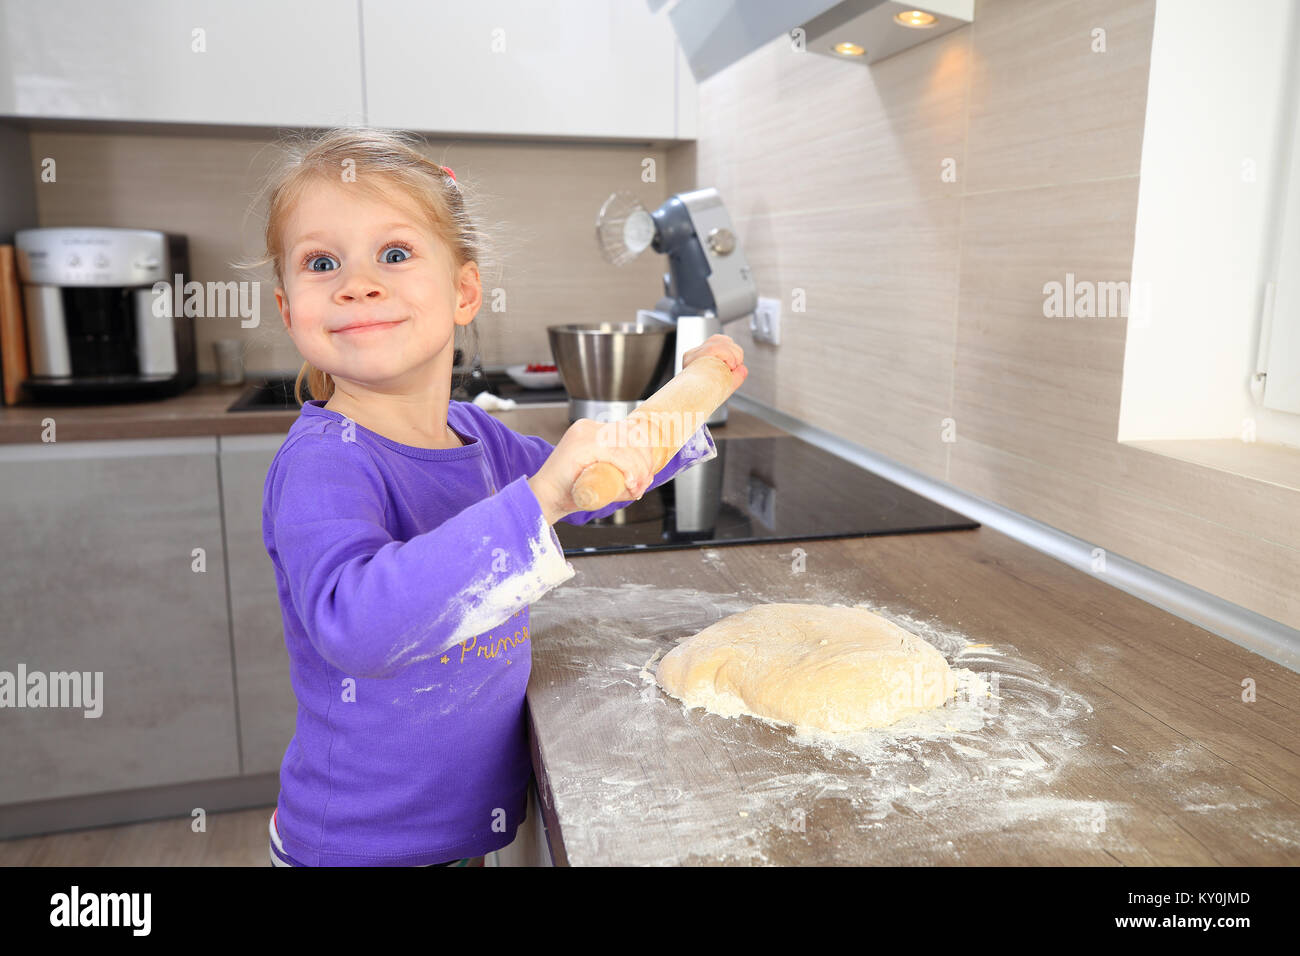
(97, 328)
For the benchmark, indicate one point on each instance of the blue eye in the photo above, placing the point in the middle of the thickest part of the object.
(311, 262)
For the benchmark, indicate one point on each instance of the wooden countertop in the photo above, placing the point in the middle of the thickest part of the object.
(1119, 734)
(202, 411)
(199, 411)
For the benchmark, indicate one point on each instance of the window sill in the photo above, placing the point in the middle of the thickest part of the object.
(1275, 464)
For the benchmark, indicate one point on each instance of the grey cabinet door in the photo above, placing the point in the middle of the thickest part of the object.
(100, 543)
(267, 707)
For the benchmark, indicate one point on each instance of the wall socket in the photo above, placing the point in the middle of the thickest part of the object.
(765, 323)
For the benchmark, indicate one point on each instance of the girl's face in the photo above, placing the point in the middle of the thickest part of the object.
(369, 294)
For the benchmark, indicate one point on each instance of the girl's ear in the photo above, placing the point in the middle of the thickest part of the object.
(282, 303)
(469, 291)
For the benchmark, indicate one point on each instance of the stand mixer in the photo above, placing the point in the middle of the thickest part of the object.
(609, 368)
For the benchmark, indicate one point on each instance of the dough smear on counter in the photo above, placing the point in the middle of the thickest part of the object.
(838, 669)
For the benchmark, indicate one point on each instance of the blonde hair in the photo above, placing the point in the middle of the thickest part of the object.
(376, 162)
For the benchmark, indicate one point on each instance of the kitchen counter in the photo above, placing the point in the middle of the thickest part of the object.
(1118, 733)
(199, 411)
(202, 411)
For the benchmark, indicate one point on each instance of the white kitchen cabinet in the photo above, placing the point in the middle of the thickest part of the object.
(580, 68)
(272, 64)
(565, 68)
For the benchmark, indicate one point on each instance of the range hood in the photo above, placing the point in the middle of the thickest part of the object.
(716, 33)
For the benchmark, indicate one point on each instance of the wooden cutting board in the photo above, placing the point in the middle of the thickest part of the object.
(13, 330)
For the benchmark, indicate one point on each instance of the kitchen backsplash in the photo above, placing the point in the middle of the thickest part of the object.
(914, 210)
(541, 203)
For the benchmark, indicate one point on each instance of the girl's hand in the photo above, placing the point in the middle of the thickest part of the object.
(588, 441)
(724, 348)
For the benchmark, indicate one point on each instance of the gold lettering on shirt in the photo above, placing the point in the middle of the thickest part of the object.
(493, 645)
(497, 646)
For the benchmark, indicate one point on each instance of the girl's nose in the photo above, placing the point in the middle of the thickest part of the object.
(361, 286)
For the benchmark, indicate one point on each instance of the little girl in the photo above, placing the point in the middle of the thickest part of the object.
(409, 533)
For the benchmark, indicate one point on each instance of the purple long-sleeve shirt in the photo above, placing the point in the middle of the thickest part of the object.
(405, 576)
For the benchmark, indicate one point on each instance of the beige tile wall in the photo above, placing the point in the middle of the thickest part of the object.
(541, 200)
(924, 297)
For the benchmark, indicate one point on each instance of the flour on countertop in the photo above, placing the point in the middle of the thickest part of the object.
(979, 760)
(988, 762)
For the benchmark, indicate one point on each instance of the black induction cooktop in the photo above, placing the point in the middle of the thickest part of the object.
(762, 489)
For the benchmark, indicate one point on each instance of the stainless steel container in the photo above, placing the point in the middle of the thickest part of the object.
(609, 368)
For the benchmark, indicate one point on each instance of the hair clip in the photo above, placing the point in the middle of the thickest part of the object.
(447, 170)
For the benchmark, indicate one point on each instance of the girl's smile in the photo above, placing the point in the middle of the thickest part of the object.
(362, 328)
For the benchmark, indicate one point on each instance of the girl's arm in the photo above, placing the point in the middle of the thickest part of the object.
(371, 604)
(525, 454)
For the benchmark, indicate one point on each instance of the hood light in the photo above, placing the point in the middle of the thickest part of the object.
(918, 19)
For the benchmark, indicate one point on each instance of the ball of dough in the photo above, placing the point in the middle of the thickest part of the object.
(838, 669)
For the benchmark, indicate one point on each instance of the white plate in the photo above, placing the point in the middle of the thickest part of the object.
(533, 379)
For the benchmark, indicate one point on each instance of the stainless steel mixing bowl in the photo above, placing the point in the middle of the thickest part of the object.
(611, 361)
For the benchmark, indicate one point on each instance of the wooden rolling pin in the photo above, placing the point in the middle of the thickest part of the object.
(692, 394)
